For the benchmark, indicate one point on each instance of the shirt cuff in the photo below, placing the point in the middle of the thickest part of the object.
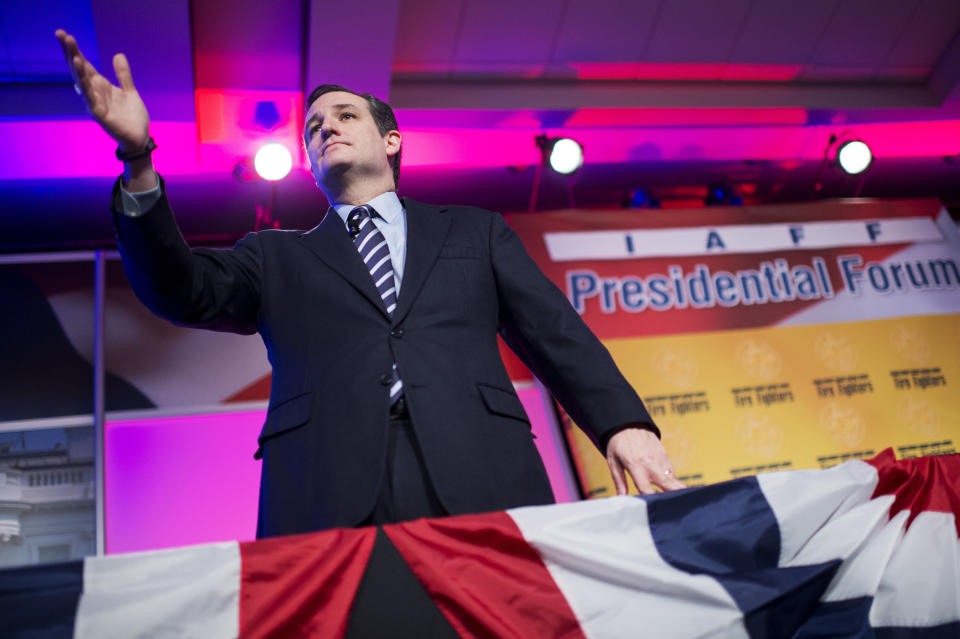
(136, 204)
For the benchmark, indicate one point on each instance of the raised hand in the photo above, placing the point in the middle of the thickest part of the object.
(118, 109)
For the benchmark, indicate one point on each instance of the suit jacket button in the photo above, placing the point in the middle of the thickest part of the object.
(397, 332)
(385, 379)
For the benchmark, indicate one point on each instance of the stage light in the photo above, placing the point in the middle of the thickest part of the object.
(273, 161)
(563, 155)
(848, 153)
(566, 156)
(854, 157)
(641, 199)
(721, 195)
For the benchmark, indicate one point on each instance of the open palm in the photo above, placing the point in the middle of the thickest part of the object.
(118, 109)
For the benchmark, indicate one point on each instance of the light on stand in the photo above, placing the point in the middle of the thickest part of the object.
(854, 157)
(566, 156)
(273, 161)
(850, 154)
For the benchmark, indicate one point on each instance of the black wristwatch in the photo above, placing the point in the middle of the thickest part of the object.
(147, 149)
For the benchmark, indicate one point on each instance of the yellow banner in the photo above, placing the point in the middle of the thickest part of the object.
(739, 402)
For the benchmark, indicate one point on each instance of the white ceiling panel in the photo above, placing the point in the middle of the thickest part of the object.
(927, 35)
(862, 32)
(266, 51)
(605, 30)
(427, 31)
(782, 31)
(354, 48)
(696, 31)
(508, 31)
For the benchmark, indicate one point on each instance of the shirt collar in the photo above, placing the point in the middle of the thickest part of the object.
(387, 205)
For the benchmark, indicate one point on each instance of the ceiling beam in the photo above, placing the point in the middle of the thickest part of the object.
(569, 95)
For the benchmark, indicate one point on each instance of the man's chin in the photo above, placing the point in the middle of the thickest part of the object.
(332, 176)
(333, 168)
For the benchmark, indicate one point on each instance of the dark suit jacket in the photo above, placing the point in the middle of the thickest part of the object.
(332, 345)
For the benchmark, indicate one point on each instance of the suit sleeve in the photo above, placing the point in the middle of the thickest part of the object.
(206, 288)
(539, 324)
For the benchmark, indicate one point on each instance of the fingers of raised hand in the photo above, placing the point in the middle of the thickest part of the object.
(67, 42)
(89, 80)
(70, 51)
(122, 68)
(83, 72)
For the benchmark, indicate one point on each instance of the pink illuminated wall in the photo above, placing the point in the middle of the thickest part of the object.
(549, 441)
(174, 481)
(609, 136)
(190, 479)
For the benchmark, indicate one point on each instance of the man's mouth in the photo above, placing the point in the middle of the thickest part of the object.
(327, 147)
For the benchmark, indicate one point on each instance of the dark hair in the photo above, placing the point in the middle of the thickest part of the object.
(380, 110)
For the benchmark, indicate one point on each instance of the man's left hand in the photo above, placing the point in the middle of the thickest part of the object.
(640, 453)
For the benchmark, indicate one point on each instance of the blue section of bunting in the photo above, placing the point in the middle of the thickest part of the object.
(718, 529)
(40, 602)
(943, 631)
(729, 531)
(850, 619)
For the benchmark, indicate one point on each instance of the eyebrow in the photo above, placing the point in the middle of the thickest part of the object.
(316, 118)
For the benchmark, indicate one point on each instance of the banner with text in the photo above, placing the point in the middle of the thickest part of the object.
(761, 338)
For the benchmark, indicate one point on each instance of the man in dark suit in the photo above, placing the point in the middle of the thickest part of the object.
(389, 400)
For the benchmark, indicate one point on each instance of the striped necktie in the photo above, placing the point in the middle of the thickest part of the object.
(373, 248)
(375, 253)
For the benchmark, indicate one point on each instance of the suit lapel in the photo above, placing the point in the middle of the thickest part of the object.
(427, 228)
(330, 242)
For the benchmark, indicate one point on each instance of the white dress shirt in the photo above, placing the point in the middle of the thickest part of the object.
(391, 220)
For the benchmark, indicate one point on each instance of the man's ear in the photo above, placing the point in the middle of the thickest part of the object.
(392, 140)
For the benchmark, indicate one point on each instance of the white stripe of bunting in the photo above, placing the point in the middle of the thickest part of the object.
(183, 592)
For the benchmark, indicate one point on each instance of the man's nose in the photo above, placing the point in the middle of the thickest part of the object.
(326, 130)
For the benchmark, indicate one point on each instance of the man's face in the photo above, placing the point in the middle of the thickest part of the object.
(341, 135)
